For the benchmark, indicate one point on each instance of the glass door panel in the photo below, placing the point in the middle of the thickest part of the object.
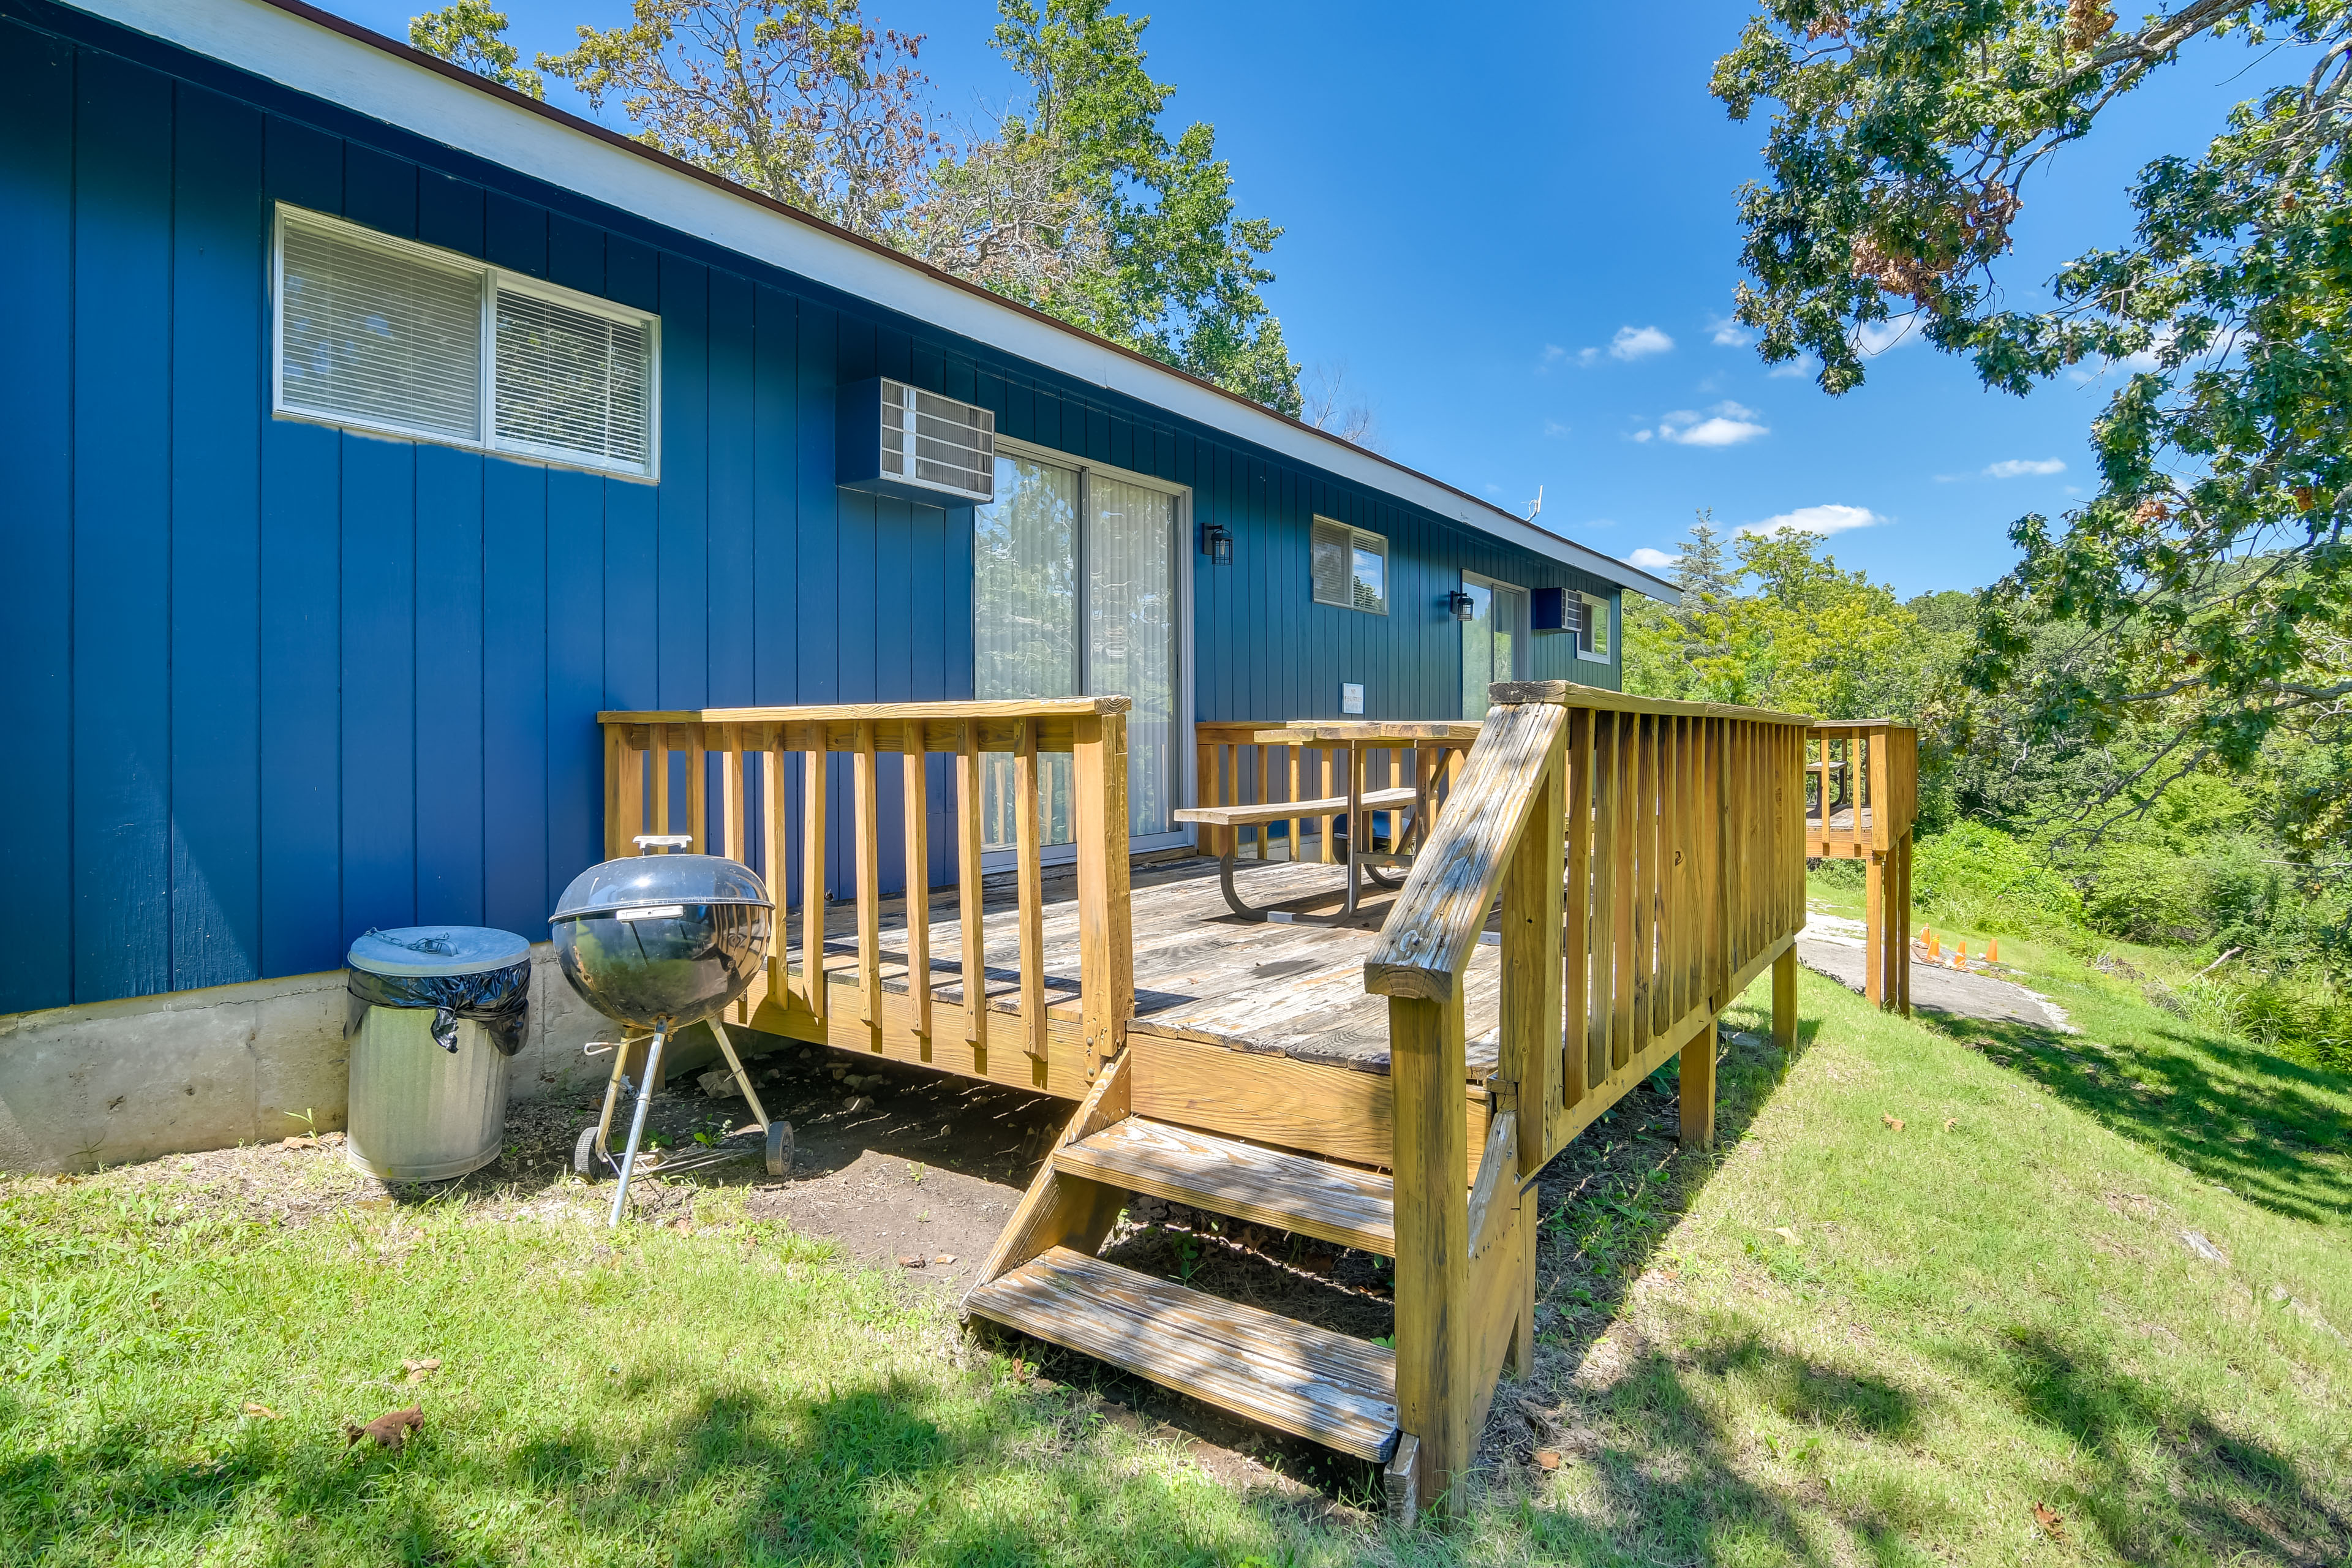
(1494, 640)
(1131, 633)
(1074, 591)
(1025, 624)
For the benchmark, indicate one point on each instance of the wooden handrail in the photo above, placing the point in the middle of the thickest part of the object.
(1861, 801)
(752, 748)
(1648, 860)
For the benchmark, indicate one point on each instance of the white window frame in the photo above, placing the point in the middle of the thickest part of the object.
(1187, 763)
(1597, 607)
(494, 280)
(1354, 533)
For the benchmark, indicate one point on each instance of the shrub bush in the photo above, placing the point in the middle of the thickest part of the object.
(1980, 877)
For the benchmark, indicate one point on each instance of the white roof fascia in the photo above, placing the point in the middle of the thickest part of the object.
(378, 80)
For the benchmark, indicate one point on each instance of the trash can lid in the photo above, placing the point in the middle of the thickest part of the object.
(437, 950)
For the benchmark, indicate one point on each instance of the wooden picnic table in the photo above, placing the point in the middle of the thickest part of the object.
(1357, 736)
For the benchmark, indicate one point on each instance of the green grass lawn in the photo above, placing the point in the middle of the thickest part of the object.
(1834, 1342)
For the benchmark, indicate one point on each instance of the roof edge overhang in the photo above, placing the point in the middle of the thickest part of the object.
(324, 55)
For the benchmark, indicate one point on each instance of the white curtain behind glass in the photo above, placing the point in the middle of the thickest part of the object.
(1132, 633)
(1025, 624)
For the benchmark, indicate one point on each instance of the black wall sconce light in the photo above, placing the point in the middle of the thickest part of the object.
(1460, 605)
(1217, 543)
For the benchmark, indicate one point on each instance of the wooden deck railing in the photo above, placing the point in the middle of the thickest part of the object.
(1862, 797)
(735, 788)
(1235, 770)
(1679, 878)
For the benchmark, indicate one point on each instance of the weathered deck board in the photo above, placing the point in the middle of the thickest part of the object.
(1288, 990)
(1311, 1382)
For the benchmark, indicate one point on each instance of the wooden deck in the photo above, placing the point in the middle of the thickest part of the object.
(1202, 974)
(1593, 880)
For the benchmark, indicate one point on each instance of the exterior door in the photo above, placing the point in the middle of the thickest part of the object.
(1075, 594)
(1494, 639)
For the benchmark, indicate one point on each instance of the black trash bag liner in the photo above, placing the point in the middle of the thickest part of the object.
(497, 999)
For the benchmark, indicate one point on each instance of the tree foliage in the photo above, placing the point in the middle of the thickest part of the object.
(470, 34)
(1075, 201)
(1781, 626)
(2202, 599)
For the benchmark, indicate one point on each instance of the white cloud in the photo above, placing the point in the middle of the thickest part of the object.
(1552, 354)
(1586, 356)
(1638, 343)
(1554, 427)
(1726, 424)
(2018, 468)
(1803, 365)
(1728, 334)
(1872, 338)
(1642, 434)
(1650, 560)
(1823, 519)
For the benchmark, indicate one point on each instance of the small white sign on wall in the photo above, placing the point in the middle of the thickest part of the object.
(1352, 697)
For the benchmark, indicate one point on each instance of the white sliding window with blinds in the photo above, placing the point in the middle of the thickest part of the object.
(1351, 567)
(379, 334)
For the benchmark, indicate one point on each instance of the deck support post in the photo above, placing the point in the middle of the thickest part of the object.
(1784, 1000)
(1698, 1089)
(1402, 1482)
(1435, 1330)
(1106, 925)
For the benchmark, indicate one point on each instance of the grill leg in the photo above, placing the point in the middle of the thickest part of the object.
(743, 1078)
(637, 1122)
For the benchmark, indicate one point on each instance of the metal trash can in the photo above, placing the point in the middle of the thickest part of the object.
(428, 1085)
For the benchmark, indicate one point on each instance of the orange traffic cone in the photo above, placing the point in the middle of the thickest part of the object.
(1962, 961)
(1993, 950)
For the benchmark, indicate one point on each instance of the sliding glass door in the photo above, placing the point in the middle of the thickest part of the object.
(1075, 594)
(1494, 639)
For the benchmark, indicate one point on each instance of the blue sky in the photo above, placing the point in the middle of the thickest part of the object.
(1514, 226)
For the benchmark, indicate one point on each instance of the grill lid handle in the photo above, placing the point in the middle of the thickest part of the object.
(648, 843)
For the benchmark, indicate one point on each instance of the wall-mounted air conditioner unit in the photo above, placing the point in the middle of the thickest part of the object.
(899, 440)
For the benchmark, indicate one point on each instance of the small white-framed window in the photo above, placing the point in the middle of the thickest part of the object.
(1350, 566)
(383, 334)
(1593, 628)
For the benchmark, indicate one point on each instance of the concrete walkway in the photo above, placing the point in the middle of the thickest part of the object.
(1833, 945)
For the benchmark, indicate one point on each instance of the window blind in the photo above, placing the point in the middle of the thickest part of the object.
(571, 384)
(375, 336)
(1331, 544)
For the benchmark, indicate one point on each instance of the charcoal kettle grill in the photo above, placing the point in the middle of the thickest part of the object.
(657, 942)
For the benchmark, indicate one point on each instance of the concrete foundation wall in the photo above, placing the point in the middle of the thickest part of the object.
(114, 1081)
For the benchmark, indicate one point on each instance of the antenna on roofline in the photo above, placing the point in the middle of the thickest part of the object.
(1535, 507)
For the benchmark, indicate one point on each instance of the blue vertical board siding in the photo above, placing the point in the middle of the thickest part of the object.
(379, 191)
(684, 506)
(274, 683)
(379, 696)
(514, 699)
(37, 123)
(219, 246)
(449, 212)
(451, 613)
(733, 561)
(121, 530)
(575, 677)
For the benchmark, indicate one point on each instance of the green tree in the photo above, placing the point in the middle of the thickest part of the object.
(799, 99)
(1177, 273)
(2205, 593)
(470, 34)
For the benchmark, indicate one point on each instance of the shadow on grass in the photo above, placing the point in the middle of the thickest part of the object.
(2165, 1482)
(878, 1469)
(2264, 1127)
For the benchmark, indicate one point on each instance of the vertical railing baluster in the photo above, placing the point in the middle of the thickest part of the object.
(971, 931)
(697, 788)
(1029, 876)
(914, 761)
(770, 741)
(812, 871)
(866, 822)
(731, 786)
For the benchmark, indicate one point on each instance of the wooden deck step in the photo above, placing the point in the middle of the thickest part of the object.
(1313, 1383)
(1339, 1204)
